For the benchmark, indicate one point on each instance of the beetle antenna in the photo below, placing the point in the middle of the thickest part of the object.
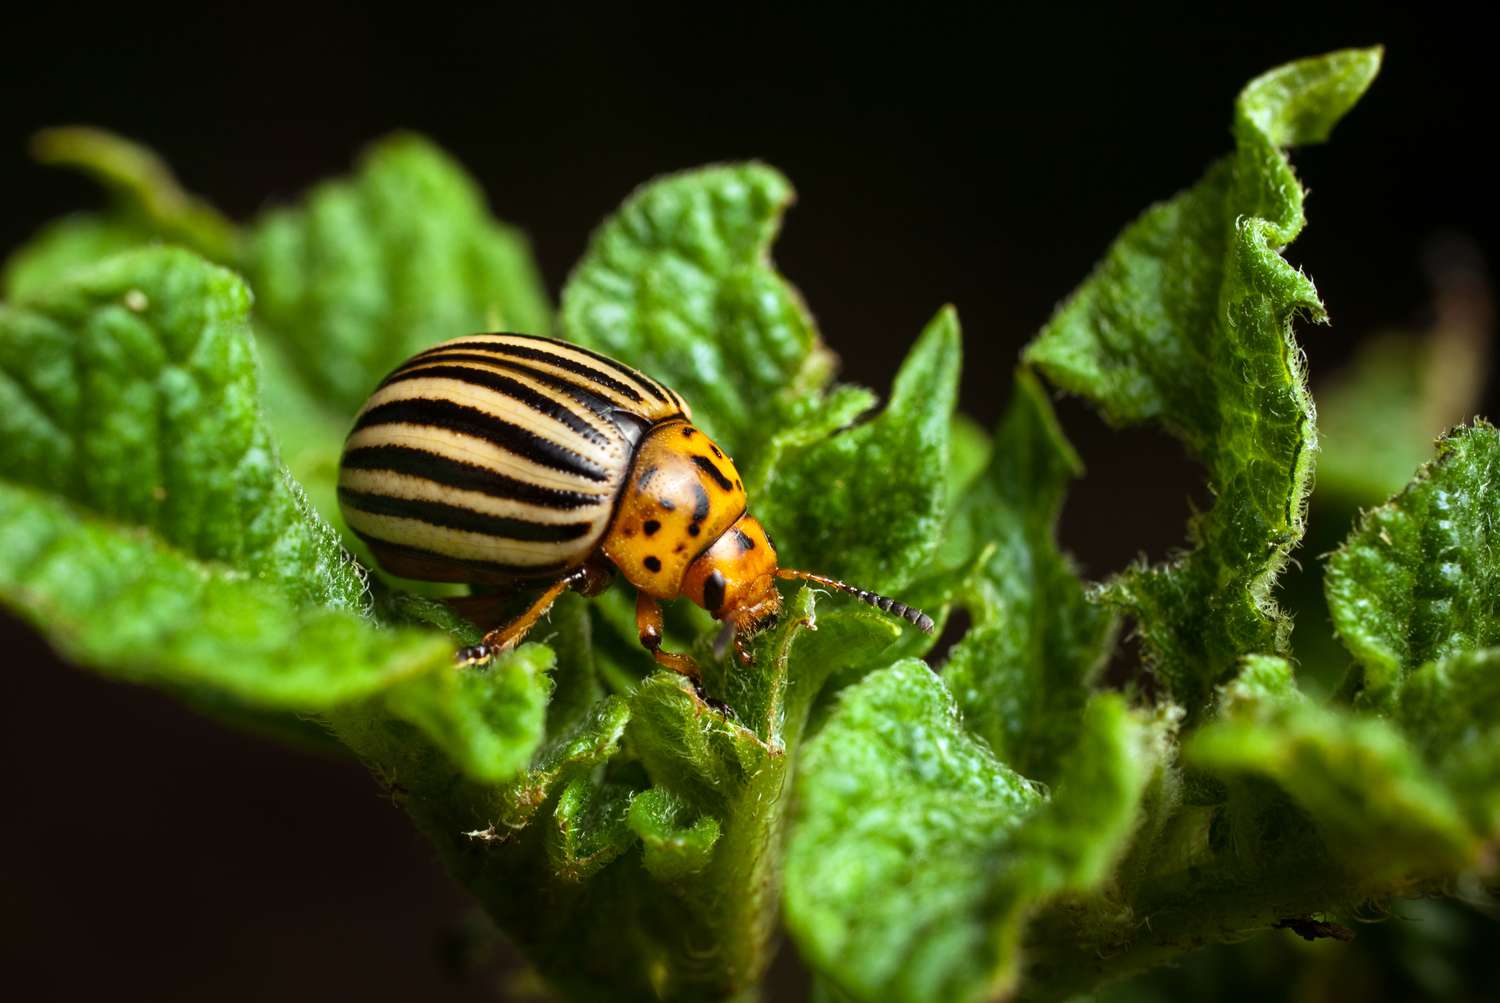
(910, 614)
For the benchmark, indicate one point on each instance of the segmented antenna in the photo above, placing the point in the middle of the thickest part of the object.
(885, 604)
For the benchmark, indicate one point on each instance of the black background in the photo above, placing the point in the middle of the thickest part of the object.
(979, 159)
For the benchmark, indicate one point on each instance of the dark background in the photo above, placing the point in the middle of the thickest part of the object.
(983, 160)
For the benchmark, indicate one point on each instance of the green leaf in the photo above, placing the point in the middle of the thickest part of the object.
(673, 848)
(1021, 675)
(1450, 710)
(918, 856)
(487, 720)
(571, 749)
(132, 390)
(373, 268)
(1187, 322)
(1381, 812)
(1418, 579)
(869, 504)
(153, 534)
(146, 195)
(589, 828)
(64, 245)
(120, 600)
(679, 283)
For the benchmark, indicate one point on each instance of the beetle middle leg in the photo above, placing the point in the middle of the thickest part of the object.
(648, 626)
(589, 579)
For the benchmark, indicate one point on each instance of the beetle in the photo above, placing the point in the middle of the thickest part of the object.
(533, 463)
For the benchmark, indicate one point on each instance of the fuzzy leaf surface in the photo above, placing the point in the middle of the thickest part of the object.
(679, 283)
(372, 268)
(1419, 578)
(153, 534)
(1021, 675)
(918, 856)
(1187, 322)
(1379, 809)
(869, 504)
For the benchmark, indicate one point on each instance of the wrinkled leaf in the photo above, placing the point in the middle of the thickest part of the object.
(153, 533)
(590, 828)
(1419, 578)
(835, 507)
(1187, 322)
(1450, 710)
(918, 855)
(132, 391)
(372, 268)
(672, 848)
(1381, 812)
(124, 602)
(63, 246)
(1021, 675)
(679, 283)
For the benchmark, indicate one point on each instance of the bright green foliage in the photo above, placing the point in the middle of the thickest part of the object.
(132, 390)
(679, 283)
(998, 824)
(376, 267)
(1187, 322)
(126, 602)
(836, 506)
(1358, 780)
(153, 532)
(672, 849)
(80, 239)
(1420, 578)
(1451, 711)
(919, 855)
(147, 205)
(1021, 676)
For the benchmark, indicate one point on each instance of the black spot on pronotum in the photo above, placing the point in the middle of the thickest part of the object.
(687, 431)
(706, 465)
(715, 450)
(713, 591)
(746, 544)
(651, 527)
(694, 529)
(700, 503)
(739, 485)
(652, 564)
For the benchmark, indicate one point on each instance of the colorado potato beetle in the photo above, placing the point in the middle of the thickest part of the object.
(536, 464)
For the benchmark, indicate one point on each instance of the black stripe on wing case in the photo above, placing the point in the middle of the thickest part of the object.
(514, 571)
(501, 384)
(600, 406)
(465, 420)
(583, 369)
(445, 516)
(634, 375)
(457, 474)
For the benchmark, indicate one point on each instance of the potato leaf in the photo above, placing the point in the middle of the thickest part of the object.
(1187, 322)
(678, 282)
(917, 856)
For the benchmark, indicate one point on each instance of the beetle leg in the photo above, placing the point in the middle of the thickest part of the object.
(648, 625)
(508, 636)
(742, 650)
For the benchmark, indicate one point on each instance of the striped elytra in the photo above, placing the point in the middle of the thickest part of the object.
(495, 458)
(517, 460)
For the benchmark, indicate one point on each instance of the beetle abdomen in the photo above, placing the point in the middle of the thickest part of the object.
(495, 458)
